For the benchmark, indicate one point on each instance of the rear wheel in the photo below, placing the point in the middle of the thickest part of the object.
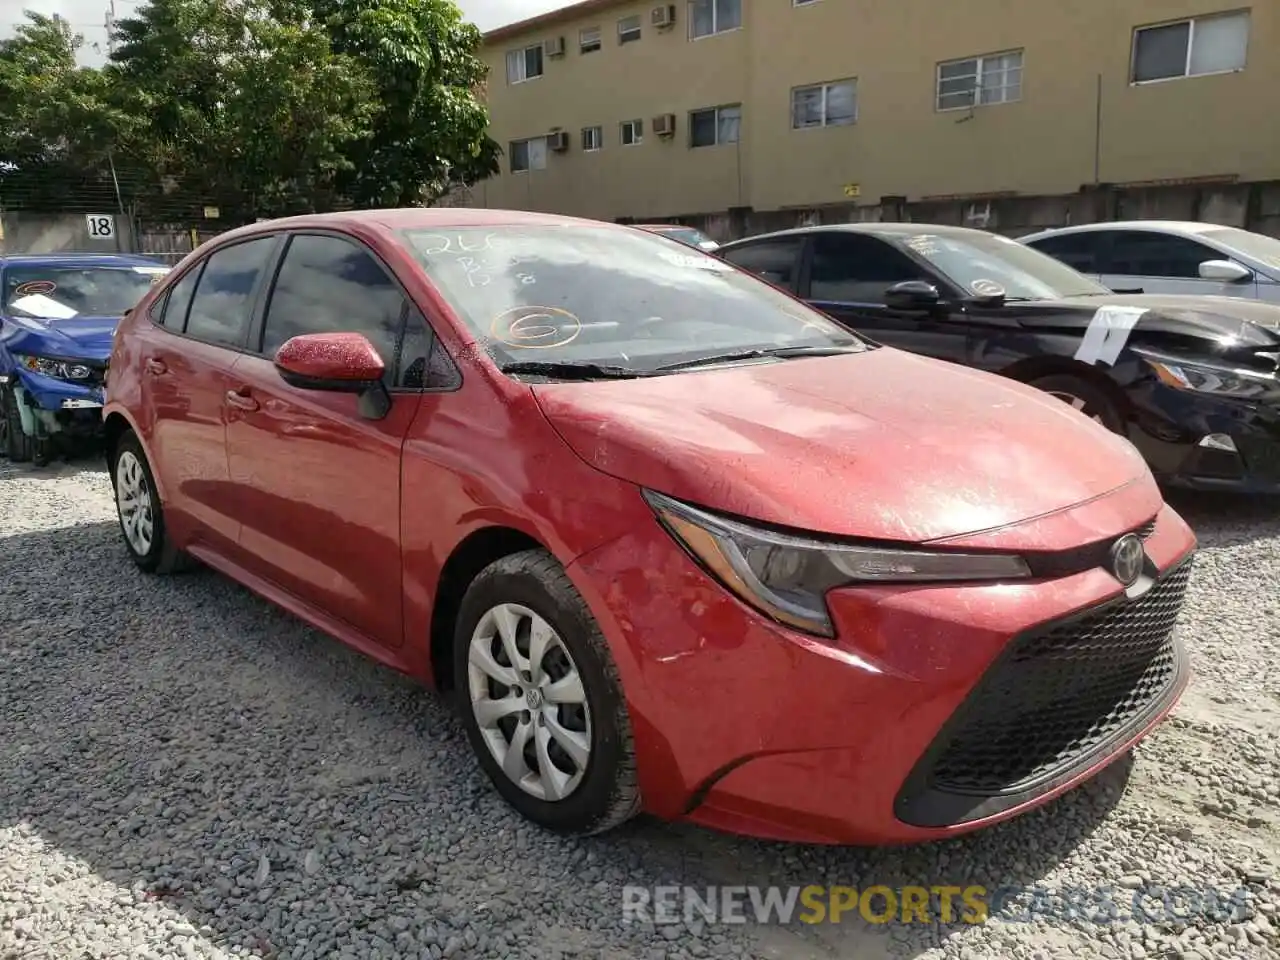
(140, 511)
(1089, 398)
(17, 446)
(541, 700)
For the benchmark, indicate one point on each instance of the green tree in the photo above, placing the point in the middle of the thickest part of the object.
(431, 129)
(246, 110)
(57, 124)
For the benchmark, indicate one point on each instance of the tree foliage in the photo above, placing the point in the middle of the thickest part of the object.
(259, 107)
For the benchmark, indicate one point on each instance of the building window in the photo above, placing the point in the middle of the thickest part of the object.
(715, 125)
(528, 154)
(1191, 48)
(631, 132)
(824, 105)
(995, 78)
(628, 29)
(588, 39)
(707, 17)
(592, 139)
(524, 64)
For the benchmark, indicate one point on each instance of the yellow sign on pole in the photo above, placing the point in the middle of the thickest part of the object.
(852, 190)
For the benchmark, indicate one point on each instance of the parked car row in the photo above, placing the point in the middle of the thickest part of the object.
(673, 527)
(1190, 381)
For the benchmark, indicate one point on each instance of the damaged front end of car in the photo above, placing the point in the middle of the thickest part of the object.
(50, 396)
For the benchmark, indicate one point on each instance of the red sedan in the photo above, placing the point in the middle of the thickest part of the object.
(674, 540)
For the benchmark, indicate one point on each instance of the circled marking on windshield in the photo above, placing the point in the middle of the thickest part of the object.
(986, 288)
(536, 328)
(34, 288)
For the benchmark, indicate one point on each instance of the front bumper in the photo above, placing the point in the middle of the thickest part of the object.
(52, 406)
(1181, 435)
(744, 726)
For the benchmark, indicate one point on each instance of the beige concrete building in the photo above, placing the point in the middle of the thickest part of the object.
(635, 109)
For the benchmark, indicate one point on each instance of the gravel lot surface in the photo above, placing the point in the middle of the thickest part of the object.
(186, 771)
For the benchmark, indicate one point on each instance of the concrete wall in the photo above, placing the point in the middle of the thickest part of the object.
(23, 232)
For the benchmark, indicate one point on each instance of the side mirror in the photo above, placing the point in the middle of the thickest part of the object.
(912, 295)
(1224, 271)
(336, 362)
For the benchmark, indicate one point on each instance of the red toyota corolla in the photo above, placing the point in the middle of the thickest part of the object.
(675, 541)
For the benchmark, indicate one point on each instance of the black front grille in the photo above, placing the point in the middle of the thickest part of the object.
(1147, 529)
(1056, 701)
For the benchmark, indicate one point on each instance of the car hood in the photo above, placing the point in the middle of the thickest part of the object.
(884, 444)
(79, 338)
(1222, 320)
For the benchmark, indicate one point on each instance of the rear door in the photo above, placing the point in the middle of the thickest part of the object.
(318, 485)
(1164, 263)
(777, 260)
(847, 278)
(196, 335)
(1082, 251)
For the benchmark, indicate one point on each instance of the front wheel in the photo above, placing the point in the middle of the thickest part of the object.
(17, 446)
(1089, 398)
(541, 700)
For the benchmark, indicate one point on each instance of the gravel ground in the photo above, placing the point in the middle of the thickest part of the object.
(187, 772)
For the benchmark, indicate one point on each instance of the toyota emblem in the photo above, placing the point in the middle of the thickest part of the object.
(1127, 555)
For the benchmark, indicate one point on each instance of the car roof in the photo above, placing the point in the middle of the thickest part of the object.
(79, 259)
(415, 218)
(1188, 228)
(885, 230)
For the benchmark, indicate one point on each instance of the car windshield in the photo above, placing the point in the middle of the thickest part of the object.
(609, 296)
(60, 292)
(975, 262)
(1257, 245)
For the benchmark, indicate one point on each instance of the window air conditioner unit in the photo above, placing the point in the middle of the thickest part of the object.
(553, 47)
(663, 16)
(665, 125)
(558, 141)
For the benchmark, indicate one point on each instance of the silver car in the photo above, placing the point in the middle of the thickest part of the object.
(1169, 256)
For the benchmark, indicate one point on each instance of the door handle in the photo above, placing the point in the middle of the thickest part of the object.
(241, 400)
(156, 367)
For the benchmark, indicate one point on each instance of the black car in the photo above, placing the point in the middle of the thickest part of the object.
(1191, 381)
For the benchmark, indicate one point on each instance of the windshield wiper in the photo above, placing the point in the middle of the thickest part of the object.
(569, 370)
(829, 350)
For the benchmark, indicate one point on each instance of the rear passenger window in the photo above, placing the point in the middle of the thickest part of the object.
(171, 310)
(777, 261)
(1077, 250)
(331, 285)
(223, 301)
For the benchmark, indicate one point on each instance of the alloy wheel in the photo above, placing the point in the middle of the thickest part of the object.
(133, 500)
(529, 702)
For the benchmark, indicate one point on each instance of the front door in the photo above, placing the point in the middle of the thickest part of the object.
(318, 485)
(848, 276)
(1165, 263)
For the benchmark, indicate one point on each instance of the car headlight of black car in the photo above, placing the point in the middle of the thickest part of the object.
(787, 577)
(51, 367)
(1209, 378)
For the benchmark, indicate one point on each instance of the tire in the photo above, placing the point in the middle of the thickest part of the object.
(1089, 398)
(132, 480)
(594, 796)
(18, 447)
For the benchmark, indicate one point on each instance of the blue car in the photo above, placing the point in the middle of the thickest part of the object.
(58, 314)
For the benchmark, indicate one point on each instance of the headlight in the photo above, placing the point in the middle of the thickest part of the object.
(1205, 378)
(788, 577)
(59, 369)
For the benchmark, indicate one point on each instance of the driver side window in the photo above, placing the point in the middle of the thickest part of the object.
(853, 268)
(329, 285)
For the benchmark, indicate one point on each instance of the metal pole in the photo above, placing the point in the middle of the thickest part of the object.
(1097, 134)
